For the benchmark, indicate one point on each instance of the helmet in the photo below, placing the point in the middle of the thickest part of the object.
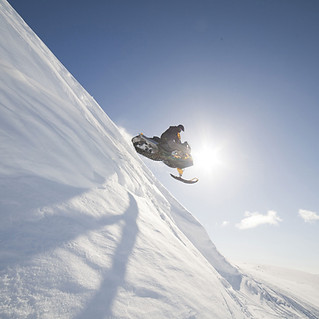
(181, 127)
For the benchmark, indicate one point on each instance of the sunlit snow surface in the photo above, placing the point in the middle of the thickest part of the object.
(86, 231)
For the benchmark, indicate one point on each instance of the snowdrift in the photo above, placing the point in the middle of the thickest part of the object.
(86, 230)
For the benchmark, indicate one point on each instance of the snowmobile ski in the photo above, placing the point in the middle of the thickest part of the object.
(186, 181)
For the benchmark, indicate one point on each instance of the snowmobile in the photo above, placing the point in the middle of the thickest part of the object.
(153, 149)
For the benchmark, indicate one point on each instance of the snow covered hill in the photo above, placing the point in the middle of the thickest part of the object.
(304, 286)
(86, 231)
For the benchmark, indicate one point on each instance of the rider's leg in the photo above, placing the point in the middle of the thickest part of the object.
(180, 172)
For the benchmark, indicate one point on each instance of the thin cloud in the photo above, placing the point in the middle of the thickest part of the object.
(253, 220)
(225, 223)
(308, 216)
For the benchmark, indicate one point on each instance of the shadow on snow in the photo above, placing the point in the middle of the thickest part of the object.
(23, 237)
(100, 305)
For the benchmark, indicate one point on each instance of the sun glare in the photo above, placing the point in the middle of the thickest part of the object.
(208, 159)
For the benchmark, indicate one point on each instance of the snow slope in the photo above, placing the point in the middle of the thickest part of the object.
(304, 286)
(86, 231)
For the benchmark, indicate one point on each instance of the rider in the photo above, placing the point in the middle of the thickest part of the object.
(171, 140)
(172, 136)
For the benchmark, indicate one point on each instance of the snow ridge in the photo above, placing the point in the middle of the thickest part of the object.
(86, 230)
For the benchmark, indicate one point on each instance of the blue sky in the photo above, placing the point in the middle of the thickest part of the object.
(241, 76)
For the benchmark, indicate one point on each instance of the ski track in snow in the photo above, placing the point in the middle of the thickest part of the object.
(86, 230)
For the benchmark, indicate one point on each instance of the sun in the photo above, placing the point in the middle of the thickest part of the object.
(208, 158)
